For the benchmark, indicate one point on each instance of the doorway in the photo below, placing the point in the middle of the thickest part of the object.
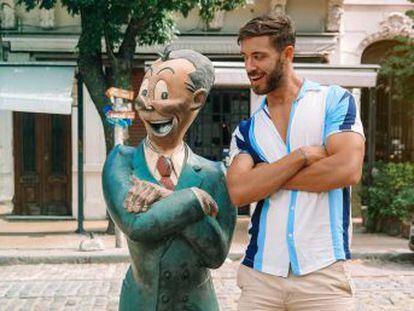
(42, 163)
(394, 118)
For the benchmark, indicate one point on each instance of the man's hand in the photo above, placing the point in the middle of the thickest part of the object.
(310, 155)
(313, 154)
(143, 194)
(340, 168)
(207, 203)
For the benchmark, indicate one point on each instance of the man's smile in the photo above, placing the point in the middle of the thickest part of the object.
(256, 77)
(161, 127)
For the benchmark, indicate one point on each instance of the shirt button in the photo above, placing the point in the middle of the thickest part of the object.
(290, 235)
(292, 208)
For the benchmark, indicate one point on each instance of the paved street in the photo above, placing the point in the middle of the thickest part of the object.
(379, 285)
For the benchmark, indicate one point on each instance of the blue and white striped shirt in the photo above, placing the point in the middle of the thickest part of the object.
(304, 230)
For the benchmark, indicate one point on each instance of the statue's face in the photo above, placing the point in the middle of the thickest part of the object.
(165, 105)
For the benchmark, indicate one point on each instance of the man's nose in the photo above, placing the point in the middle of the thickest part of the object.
(249, 64)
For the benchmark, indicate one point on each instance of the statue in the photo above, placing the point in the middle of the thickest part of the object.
(171, 204)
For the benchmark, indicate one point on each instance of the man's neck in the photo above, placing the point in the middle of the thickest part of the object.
(286, 92)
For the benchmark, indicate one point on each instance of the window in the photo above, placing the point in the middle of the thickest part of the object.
(210, 134)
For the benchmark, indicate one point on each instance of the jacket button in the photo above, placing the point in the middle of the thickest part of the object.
(165, 299)
(184, 298)
(185, 274)
(167, 274)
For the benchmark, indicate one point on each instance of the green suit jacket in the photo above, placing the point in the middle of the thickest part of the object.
(173, 244)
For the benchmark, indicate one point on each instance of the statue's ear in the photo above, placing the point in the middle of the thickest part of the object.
(199, 98)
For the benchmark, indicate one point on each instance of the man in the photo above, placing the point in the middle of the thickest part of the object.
(172, 205)
(296, 156)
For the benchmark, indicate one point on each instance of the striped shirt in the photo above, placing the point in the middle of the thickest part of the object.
(304, 231)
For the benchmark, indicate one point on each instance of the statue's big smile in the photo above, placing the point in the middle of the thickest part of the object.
(161, 127)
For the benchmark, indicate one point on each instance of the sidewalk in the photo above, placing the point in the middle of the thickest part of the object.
(55, 241)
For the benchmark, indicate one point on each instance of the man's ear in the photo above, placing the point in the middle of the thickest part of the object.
(288, 53)
(199, 98)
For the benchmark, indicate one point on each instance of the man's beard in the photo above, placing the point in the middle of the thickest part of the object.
(273, 82)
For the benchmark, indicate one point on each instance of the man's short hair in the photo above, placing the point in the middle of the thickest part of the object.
(279, 28)
(204, 75)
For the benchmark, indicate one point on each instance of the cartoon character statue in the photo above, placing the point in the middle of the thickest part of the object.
(171, 204)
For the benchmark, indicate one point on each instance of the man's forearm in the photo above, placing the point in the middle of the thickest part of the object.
(336, 171)
(262, 181)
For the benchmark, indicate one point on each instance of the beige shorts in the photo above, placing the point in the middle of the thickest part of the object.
(330, 289)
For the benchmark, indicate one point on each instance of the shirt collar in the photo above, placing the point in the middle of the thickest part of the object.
(307, 86)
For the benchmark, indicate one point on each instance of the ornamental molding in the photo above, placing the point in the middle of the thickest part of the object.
(277, 7)
(396, 24)
(334, 15)
(47, 18)
(7, 15)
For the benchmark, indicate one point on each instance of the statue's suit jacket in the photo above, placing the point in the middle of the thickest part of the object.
(173, 244)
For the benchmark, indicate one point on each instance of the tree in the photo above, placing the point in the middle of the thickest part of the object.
(122, 25)
(398, 67)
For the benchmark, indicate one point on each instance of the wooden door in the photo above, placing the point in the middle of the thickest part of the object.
(42, 156)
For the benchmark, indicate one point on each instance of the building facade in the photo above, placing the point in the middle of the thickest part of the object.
(335, 38)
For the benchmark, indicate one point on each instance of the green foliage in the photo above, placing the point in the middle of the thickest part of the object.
(208, 7)
(123, 24)
(391, 193)
(399, 67)
(111, 17)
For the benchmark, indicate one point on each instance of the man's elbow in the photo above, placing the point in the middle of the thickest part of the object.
(236, 197)
(234, 193)
(354, 178)
(354, 175)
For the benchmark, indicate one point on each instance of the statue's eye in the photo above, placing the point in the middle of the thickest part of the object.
(161, 90)
(144, 88)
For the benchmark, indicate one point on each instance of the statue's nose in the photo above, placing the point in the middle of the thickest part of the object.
(144, 103)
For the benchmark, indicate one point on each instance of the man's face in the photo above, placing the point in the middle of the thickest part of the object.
(164, 103)
(263, 63)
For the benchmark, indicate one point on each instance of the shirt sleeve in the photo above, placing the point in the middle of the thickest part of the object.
(237, 145)
(342, 113)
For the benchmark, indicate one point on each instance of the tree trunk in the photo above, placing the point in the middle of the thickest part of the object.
(92, 72)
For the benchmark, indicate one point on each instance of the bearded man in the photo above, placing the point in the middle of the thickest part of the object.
(296, 156)
(171, 204)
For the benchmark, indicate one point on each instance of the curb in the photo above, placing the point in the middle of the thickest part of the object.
(62, 257)
(17, 257)
(393, 256)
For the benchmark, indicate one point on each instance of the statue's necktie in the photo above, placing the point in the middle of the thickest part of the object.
(164, 168)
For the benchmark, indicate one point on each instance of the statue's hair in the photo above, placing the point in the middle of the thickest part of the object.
(203, 77)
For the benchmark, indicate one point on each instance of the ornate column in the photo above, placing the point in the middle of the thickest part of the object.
(7, 15)
(334, 15)
(47, 18)
(277, 7)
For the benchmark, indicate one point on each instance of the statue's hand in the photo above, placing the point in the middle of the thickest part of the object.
(143, 194)
(208, 204)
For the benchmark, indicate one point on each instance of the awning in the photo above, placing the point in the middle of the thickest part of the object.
(36, 87)
(358, 76)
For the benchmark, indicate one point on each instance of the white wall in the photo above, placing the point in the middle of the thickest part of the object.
(94, 156)
(362, 19)
(6, 160)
